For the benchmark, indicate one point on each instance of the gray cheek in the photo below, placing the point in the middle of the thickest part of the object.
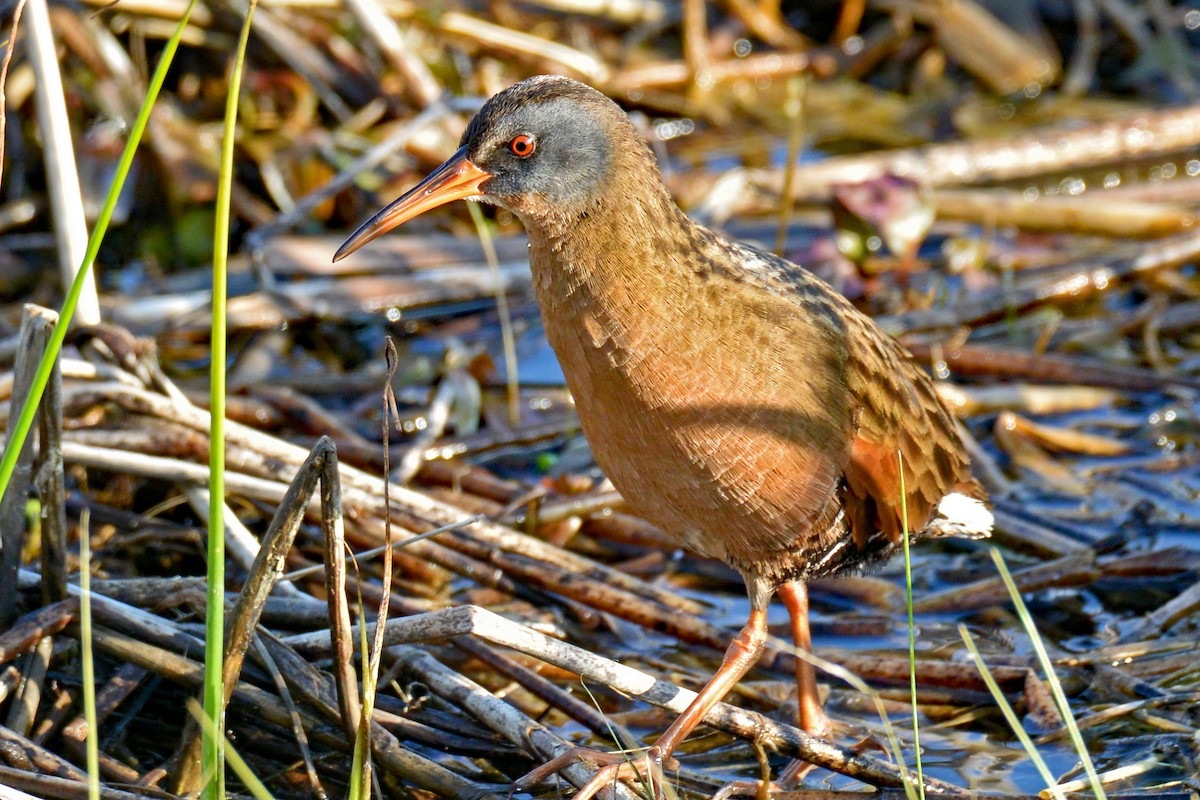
(575, 176)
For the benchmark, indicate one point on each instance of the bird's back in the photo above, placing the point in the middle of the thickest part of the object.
(899, 423)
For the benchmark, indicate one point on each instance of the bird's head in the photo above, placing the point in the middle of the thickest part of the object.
(543, 149)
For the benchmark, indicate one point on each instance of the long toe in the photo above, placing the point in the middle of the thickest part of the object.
(642, 770)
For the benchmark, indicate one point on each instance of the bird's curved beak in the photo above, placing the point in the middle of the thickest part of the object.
(456, 179)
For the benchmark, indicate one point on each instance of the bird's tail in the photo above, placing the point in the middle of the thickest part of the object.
(959, 514)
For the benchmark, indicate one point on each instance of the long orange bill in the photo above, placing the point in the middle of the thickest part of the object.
(456, 179)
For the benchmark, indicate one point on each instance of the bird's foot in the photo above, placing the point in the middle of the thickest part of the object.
(643, 770)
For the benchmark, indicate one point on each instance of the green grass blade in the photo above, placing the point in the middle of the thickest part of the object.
(857, 683)
(912, 630)
(506, 327)
(212, 750)
(1011, 716)
(359, 775)
(20, 431)
(86, 655)
(794, 107)
(628, 749)
(256, 787)
(1060, 697)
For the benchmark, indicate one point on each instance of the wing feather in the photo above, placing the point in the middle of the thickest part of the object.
(898, 414)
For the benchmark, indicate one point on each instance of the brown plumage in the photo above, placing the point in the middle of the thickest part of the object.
(735, 400)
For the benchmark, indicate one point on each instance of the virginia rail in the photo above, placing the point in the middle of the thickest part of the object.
(736, 400)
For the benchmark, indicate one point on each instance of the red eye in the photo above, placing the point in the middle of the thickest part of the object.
(521, 146)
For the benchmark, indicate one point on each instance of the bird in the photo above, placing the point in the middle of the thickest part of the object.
(735, 400)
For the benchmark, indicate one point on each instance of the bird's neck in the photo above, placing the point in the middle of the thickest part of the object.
(624, 252)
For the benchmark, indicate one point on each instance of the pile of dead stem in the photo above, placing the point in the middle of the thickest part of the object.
(1037, 250)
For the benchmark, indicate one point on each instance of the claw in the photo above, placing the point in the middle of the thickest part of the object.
(539, 774)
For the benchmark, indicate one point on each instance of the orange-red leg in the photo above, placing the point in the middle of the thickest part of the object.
(811, 716)
(743, 653)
